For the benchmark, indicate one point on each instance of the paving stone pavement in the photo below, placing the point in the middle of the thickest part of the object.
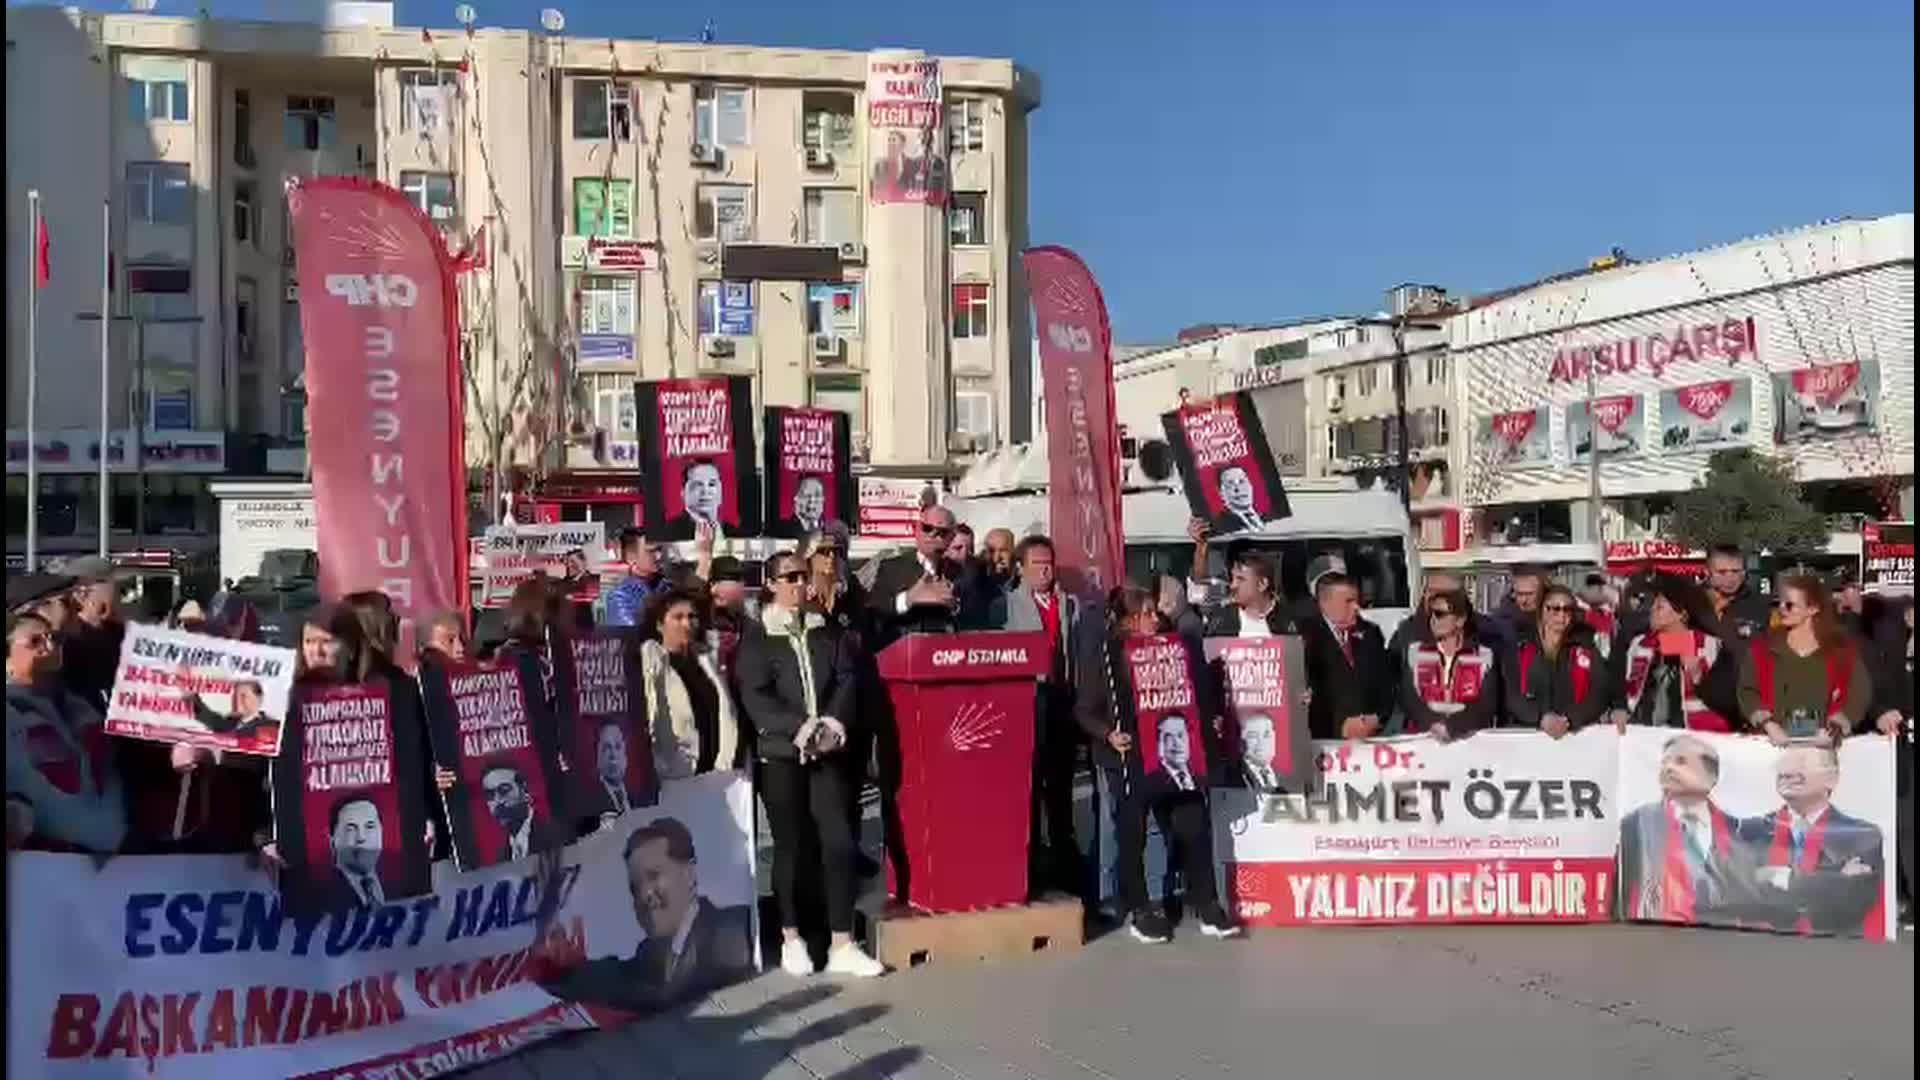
(1568, 1003)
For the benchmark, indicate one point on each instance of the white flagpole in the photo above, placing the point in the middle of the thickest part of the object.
(33, 378)
(106, 367)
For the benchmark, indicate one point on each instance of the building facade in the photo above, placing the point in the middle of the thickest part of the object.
(599, 181)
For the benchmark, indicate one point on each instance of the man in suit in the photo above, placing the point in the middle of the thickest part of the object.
(1237, 512)
(1038, 603)
(692, 946)
(1680, 857)
(1175, 771)
(1257, 740)
(1818, 870)
(245, 719)
(609, 792)
(1349, 674)
(1256, 610)
(354, 835)
(919, 591)
(702, 494)
(809, 509)
(511, 803)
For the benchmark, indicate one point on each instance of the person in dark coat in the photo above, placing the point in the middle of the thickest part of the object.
(1739, 612)
(919, 591)
(1256, 611)
(1348, 670)
(1450, 679)
(1557, 679)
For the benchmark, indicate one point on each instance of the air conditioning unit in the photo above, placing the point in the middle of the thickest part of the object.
(573, 252)
(720, 347)
(708, 252)
(826, 346)
(819, 158)
(293, 292)
(705, 154)
(851, 252)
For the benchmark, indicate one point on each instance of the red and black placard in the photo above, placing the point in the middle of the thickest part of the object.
(809, 470)
(1226, 464)
(696, 456)
(1167, 712)
(603, 726)
(349, 813)
(1266, 745)
(490, 728)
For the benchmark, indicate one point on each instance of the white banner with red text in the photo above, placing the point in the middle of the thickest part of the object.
(158, 966)
(1498, 827)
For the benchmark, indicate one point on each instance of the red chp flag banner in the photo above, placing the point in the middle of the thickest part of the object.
(490, 728)
(349, 812)
(1500, 827)
(1169, 727)
(380, 317)
(696, 457)
(809, 470)
(1263, 685)
(1226, 464)
(1083, 437)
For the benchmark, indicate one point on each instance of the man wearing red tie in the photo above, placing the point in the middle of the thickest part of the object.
(1821, 871)
(1676, 854)
(1038, 603)
(1348, 670)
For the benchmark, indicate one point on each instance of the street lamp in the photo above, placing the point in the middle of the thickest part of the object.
(1398, 326)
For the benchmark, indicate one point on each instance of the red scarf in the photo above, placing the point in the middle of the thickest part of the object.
(1676, 892)
(1050, 617)
(1639, 664)
(1779, 851)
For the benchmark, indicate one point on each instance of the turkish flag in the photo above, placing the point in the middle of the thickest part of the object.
(42, 255)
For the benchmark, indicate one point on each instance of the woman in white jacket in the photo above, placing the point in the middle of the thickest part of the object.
(689, 711)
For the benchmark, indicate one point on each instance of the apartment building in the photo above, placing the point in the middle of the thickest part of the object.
(605, 184)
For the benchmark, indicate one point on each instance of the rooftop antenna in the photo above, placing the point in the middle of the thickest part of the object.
(552, 21)
(465, 16)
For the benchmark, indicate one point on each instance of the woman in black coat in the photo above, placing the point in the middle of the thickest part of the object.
(799, 687)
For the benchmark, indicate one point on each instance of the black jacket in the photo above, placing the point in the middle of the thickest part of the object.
(1536, 684)
(1225, 621)
(1342, 689)
(767, 672)
(897, 575)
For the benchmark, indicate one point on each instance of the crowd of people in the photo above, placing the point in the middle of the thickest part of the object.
(780, 679)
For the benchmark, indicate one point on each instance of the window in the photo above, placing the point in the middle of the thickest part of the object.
(158, 93)
(161, 290)
(246, 214)
(602, 109)
(832, 216)
(826, 120)
(841, 392)
(614, 411)
(1337, 392)
(1436, 370)
(603, 207)
(726, 308)
(1441, 427)
(159, 193)
(966, 125)
(973, 412)
(432, 192)
(606, 305)
(833, 309)
(967, 219)
(310, 123)
(243, 154)
(970, 310)
(1366, 380)
(720, 115)
(426, 100)
(724, 212)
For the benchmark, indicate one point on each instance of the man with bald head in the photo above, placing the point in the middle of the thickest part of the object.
(918, 591)
(1819, 871)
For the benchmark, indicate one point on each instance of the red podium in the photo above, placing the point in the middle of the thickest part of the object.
(964, 705)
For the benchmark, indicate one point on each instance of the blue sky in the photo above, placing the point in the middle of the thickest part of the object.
(1255, 162)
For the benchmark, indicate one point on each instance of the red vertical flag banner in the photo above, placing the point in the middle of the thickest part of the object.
(42, 254)
(1083, 439)
(380, 317)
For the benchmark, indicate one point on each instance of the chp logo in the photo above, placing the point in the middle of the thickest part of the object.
(1069, 337)
(975, 727)
(380, 290)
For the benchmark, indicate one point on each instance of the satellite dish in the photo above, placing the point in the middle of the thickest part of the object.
(141, 6)
(464, 14)
(552, 21)
(1156, 460)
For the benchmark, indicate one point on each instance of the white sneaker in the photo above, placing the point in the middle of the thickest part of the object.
(794, 959)
(852, 960)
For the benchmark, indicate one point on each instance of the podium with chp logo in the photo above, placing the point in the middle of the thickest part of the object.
(964, 707)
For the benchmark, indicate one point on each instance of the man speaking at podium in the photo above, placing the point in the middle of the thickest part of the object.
(918, 592)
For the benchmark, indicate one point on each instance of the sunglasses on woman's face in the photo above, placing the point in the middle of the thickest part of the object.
(791, 577)
(1560, 609)
(1441, 613)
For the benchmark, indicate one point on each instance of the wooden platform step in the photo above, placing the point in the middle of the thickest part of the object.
(905, 938)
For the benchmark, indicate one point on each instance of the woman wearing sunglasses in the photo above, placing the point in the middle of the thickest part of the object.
(798, 687)
(1557, 678)
(1451, 683)
(1804, 679)
(1665, 669)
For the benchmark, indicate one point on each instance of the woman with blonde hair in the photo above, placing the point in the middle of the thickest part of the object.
(1805, 678)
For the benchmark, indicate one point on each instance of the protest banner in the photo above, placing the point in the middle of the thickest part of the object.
(1886, 557)
(603, 726)
(349, 812)
(175, 686)
(696, 456)
(568, 550)
(809, 470)
(1165, 709)
(1266, 743)
(1499, 827)
(890, 508)
(189, 966)
(490, 728)
(1226, 464)
(905, 124)
(1730, 830)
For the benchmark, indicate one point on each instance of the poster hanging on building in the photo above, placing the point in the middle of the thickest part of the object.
(1886, 557)
(696, 457)
(1516, 440)
(1707, 416)
(1266, 744)
(1167, 722)
(603, 726)
(378, 313)
(890, 508)
(1826, 401)
(809, 470)
(176, 687)
(1504, 826)
(1726, 830)
(906, 111)
(1226, 464)
(349, 812)
(1616, 423)
(490, 729)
